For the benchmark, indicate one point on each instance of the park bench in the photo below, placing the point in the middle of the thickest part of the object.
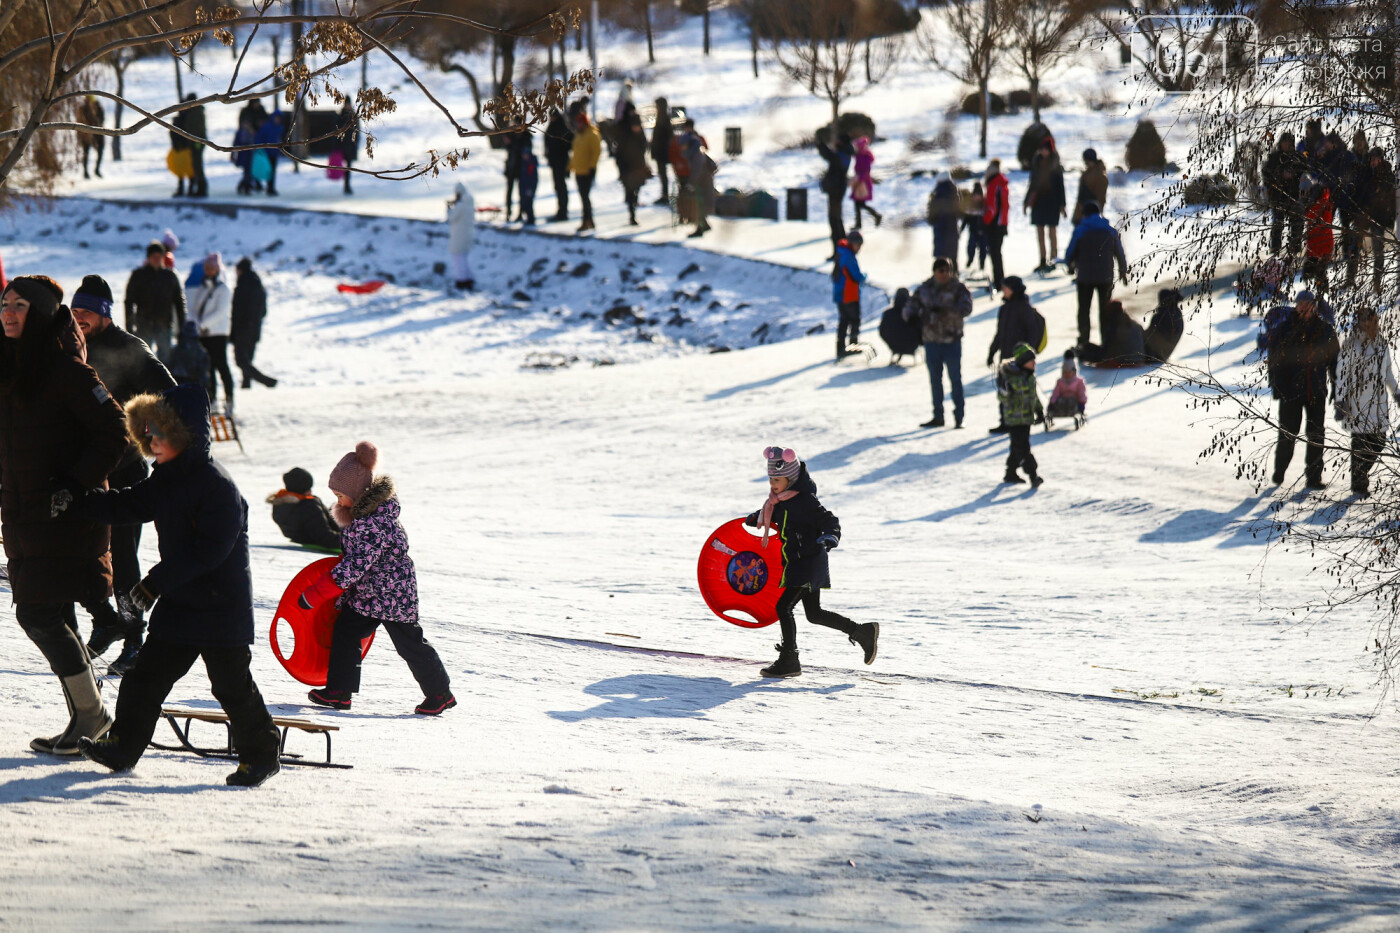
(173, 715)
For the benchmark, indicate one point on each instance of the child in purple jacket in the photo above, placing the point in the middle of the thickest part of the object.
(374, 584)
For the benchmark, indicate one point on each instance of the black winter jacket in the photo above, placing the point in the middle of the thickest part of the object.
(204, 578)
(128, 368)
(558, 140)
(1302, 357)
(1282, 173)
(799, 522)
(1017, 322)
(249, 309)
(1376, 193)
(155, 299)
(305, 520)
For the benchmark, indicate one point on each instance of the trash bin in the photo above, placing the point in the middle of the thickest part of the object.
(733, 141)
(797, 204)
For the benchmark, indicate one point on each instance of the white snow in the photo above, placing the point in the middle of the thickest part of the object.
(1086, 712)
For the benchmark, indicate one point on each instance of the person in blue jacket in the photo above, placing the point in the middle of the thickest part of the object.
(806, 532)
(271, 134)
(1092, 251)
(846, 280)
(200, 594)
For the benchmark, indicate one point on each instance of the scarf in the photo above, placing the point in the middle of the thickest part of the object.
(766, 522)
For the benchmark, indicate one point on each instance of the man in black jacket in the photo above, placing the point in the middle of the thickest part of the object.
(558, 144)
(1283, 173)
(155, 302)
(201, 590)
(1092, 251)
(195, 126)
(1302, 354)
(249, 309)
(127, 368)
(941, 305)
(837, 152)
(1017, 322)
(1375, 197)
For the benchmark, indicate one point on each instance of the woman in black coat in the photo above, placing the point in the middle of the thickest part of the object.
(661, 146)
(59, 427)
(249, 309)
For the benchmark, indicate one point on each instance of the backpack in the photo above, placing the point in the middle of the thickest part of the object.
(1039, 343)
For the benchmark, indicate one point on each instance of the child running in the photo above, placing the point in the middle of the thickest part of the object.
(1020, 401)
(202, 589)
(374, 584)
(806, 531)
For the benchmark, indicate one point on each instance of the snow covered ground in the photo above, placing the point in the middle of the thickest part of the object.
(1087, 712)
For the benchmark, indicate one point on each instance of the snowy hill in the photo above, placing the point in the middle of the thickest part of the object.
(1085, 713)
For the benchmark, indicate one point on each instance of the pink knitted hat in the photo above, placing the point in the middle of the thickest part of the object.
(354, 474)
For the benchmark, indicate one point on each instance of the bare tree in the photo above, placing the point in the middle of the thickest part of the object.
(961, 40)
(837, 49)
(53, 50)
(1039, 34)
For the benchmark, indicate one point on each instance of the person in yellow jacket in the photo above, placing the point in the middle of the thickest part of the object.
(583, 162)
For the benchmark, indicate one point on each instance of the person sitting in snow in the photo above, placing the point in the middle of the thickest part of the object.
(805, 531)
(1069, 395)
(200, 594)
(1020, 408)
(303, 517)
(374, 584)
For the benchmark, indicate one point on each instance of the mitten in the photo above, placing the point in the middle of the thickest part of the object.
(828, 541)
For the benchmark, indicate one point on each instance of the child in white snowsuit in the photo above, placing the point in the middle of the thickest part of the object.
(805, 532)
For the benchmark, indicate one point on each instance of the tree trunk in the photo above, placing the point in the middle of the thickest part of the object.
(495, 58)
(550, 49)
(563, 65)
(646, 15)
(507, 64)
(276, 50)
(982, 92)
(179, 80)
(867, 62)
(706, 17)
(119, 66)
(753, 48)
(364, 70)
(1035, 96)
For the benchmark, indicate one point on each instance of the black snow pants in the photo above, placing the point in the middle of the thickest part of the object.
(409, 641)
(812, 603)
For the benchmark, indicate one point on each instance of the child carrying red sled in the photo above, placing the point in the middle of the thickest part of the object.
(805, 531)
(374, 584)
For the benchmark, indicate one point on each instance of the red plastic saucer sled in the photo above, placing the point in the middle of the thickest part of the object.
(311, 630)
(360, 288)
(738, 574)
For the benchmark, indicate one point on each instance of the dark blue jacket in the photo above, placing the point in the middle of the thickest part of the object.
(1093, 249)
(800, 521)
(204, 578)
(1302, 356)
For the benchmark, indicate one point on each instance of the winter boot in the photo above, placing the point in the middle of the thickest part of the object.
(787, 664)
(127, 659)
(1036, 480)
(1012, 477)
(867, 637)
(107, 752)
(935, 422)
(435, 704)
(108, 625)
(333, 699)
(251, 774)
(90, 718)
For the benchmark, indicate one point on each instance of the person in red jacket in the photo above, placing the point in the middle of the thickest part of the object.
(1319, 238)
(996, 212)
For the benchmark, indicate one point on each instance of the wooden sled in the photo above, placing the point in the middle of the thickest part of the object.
(222, 427)
(173, 714)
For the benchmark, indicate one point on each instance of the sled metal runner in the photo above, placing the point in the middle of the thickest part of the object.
(173, 714)
(224, 428)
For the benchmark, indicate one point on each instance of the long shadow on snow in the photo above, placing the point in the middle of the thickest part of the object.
(1016, 494)
(722, 394)
(1200, 524)
(856, 376)
(671, 696)
(923, 463)
(76, 784)
(842, 456)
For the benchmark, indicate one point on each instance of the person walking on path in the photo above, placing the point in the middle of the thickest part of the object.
(631, 157)
(348, 145)
(558, 144)
(944, 207)
(461, 235)
(863, 183)
(805, 533)
(1318, 237)
(127, 368)
(375, 584)
(1376, 195)
(996, 215)
(529, 181)
(1282, 176)
(1045, 201)
(700, 176)
(846, 280)
(1020, 408)
(90, 113)
(155, 301)
(271, 135)
(1302, 358)
(941, 305)
(200, 593)
(1365, 376)
(976, 230)
(583, 163)
(1090, 256)
(245, 324)
(1093, 185)
(661, 146)
(836, 150)
(515, 145)
(211, 309)
(60, 428)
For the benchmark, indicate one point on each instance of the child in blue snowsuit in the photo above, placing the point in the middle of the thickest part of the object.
(805, 531)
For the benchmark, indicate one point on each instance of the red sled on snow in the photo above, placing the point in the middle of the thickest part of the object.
(738, 574)
(311, 629)
(364, 288)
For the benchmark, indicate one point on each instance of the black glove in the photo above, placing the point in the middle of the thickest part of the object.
(828, 541)
(143, 595)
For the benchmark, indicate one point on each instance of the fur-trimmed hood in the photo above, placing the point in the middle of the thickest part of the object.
(179, 414)
(381, 492)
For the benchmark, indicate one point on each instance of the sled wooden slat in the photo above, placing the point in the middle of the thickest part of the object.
(173, 715)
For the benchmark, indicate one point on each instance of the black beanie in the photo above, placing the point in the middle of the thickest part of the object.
(297, 480)
(94, 295)
(42, 293)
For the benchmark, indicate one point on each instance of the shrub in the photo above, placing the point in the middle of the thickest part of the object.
(1210, 190)
(972, 104)
(1146, 150)
(1021, 99)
